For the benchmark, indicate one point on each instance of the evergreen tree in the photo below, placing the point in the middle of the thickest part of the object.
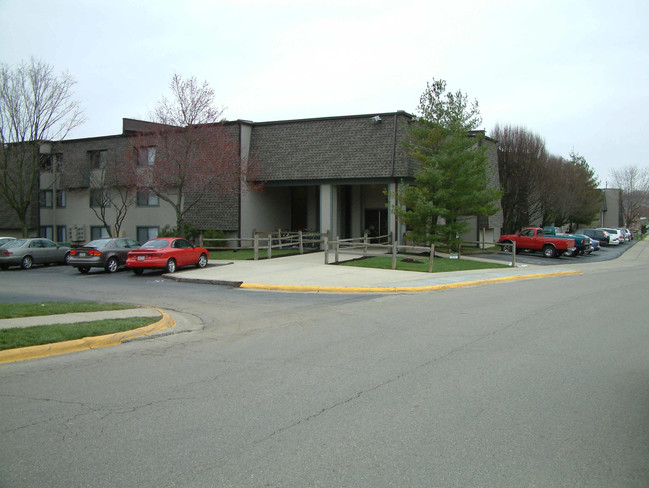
(452, 180)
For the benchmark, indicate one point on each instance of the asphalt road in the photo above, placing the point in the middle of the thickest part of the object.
(535, 383)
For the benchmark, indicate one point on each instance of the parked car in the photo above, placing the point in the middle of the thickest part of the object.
(582, 242)
(27, 252)
(4, 240)
(168, 253)
(533, 239)
(594, 243)
(626, 233)
(600, 235)
(109, 254)
(614, 236)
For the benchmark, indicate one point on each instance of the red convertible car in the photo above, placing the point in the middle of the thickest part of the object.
(168, 253)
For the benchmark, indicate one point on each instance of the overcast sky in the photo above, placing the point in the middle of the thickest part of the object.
(574, 72)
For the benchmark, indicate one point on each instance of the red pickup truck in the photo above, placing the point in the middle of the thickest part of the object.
(532, 239)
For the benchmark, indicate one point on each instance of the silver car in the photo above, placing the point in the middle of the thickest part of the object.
(27, 252)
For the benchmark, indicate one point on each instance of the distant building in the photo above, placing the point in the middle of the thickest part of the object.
(611, 214)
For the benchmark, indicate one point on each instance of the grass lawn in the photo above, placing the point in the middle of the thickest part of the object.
(47, 334)
(440, 265)
(243, 254)
(17, 310)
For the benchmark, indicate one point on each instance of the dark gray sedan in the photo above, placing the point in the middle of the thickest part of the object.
(109, 254)
(27, 252)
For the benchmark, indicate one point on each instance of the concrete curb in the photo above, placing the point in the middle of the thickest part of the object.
(399, 289)
(86, 343)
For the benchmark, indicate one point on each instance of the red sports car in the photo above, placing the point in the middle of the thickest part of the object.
(166, 253)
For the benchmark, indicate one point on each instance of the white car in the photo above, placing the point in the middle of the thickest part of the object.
(627, 234)
(615, 236)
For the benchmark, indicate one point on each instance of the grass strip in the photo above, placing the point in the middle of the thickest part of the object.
(440, 265)
(48, 334)
(18, 310)
(243, 254)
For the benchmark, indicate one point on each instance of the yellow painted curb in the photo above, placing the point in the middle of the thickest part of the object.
(399, 289)
(44, 350)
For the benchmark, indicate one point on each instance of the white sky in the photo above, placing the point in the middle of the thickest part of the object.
(574, 72)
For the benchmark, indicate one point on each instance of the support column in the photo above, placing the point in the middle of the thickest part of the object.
(328, 210)
(393, 225)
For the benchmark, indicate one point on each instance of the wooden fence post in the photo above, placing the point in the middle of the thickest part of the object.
(256, 246)
(336, 249)
(394, 253)
(431, 258)
(514, 254)
(326, 248)
(299, 234)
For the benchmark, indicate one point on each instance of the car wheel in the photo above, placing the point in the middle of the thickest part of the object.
(507, 247)
(202, 261)
(549, 252)
(27, 262)
(4, 266)
(171, 266)
(83, 269)
(111, 265)
(66, 258)
(138, 271)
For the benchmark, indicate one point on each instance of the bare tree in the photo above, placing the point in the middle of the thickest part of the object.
(113, 190)
(195, 154)
(521, 158)
(634, 183)
(36, 106)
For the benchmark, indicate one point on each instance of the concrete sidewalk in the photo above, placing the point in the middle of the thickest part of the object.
(73, 318)
(308, 273)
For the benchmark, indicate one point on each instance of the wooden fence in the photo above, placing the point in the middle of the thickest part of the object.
(279, 239)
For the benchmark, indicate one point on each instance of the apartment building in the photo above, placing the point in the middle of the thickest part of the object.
(332, 174)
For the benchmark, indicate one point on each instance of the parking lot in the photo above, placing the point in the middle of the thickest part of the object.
(537, 259)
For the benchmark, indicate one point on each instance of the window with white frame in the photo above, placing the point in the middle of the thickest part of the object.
(45, 231)
(45, 198)
(98, 232)
(97, 159)
(146, 156)
(146, 233)
(61, 233)
(99, 197)
(146, 198)
(60, 198)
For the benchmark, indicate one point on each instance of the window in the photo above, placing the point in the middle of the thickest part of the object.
(45, 198)
(146, 198)
(45, 231)
(60, 198)
(46, 161)
(98, 232)
(99, 197)
(146, 156)
(146, 233)
(60, 233)
(97, 159)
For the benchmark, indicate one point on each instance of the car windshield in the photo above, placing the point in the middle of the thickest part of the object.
(98, 243)
(157, 244)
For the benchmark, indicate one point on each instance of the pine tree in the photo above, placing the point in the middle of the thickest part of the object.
(452, 180)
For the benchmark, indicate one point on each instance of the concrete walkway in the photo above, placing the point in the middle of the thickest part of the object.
(308, 273)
